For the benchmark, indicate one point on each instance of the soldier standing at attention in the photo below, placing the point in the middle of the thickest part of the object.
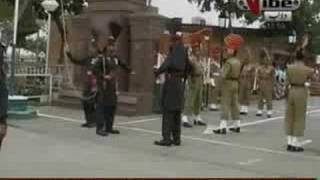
(265, 81)
(246, 82)
(105, 67)
(230, 85)
(194, 91)
(172, 99)
(298, 75)
(3, 97)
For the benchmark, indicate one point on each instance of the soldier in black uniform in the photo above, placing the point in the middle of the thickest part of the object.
(105, 67)
(3, 97)
(88, 98)
(172, 100)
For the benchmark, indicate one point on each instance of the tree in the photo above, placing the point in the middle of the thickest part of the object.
(31, 10)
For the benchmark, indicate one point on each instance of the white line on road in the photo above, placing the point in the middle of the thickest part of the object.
(139, 121)
(80, 121)
(253, 148)
(249, 162)
(259, 149)
(59, 117)
(305, 142)
(210, 129)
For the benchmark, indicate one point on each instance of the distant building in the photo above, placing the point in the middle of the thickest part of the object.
(198, 20)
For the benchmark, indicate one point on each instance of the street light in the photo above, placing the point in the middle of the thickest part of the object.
(292, 39)
(50, 6)
(222, 24)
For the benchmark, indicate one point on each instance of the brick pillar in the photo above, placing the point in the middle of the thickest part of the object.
(146, 28)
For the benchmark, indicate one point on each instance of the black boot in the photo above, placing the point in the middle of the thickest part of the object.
(289, 148)
(90, 125)
(101, 133)
(220, 131)
(297, 149)
(199, 123)
(85, 125)
(235, 130)
(113, 131)
(163, 143)
(176, 141)
(243, 113)
(186, 125)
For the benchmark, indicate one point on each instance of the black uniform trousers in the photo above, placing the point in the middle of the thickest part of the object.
(89, 111)
(105, 116)
(171, 125)
(3, 102)
(3, 106)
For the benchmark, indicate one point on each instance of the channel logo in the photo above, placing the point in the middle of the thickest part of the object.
(256, 6)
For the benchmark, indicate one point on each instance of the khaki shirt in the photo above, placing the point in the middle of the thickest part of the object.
(198, 69)
(265, 73)
(231, 69)
(299, 74)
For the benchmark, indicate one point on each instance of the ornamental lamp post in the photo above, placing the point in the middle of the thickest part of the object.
(222, 25)
(49, 6)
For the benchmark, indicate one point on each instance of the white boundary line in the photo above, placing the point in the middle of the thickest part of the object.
(253, 148)
(80, 121)
(206, 131)
(259, 149)
(139, 121)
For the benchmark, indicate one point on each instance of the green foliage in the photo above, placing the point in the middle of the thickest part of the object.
(33, 11)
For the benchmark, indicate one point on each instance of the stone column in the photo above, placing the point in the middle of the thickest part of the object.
(146, 28)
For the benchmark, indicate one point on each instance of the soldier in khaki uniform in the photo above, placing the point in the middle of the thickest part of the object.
(230, 85)
(298, 75)
(265, 79)
(194, 90)
(246, 82)
(215, 89)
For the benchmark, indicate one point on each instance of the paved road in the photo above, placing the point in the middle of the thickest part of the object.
(54, 146)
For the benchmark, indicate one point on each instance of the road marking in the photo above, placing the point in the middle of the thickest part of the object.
(252, 148)
(81, 121)
(249, 162)
(305, 142)
(139, 121)
(209, 130)
(59, 117)
(259, 149)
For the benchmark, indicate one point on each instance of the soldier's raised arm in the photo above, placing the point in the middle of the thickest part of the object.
(81, 62)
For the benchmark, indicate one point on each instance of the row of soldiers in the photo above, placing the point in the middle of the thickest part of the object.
(252, 80)
(180, 67)
(234, 81)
